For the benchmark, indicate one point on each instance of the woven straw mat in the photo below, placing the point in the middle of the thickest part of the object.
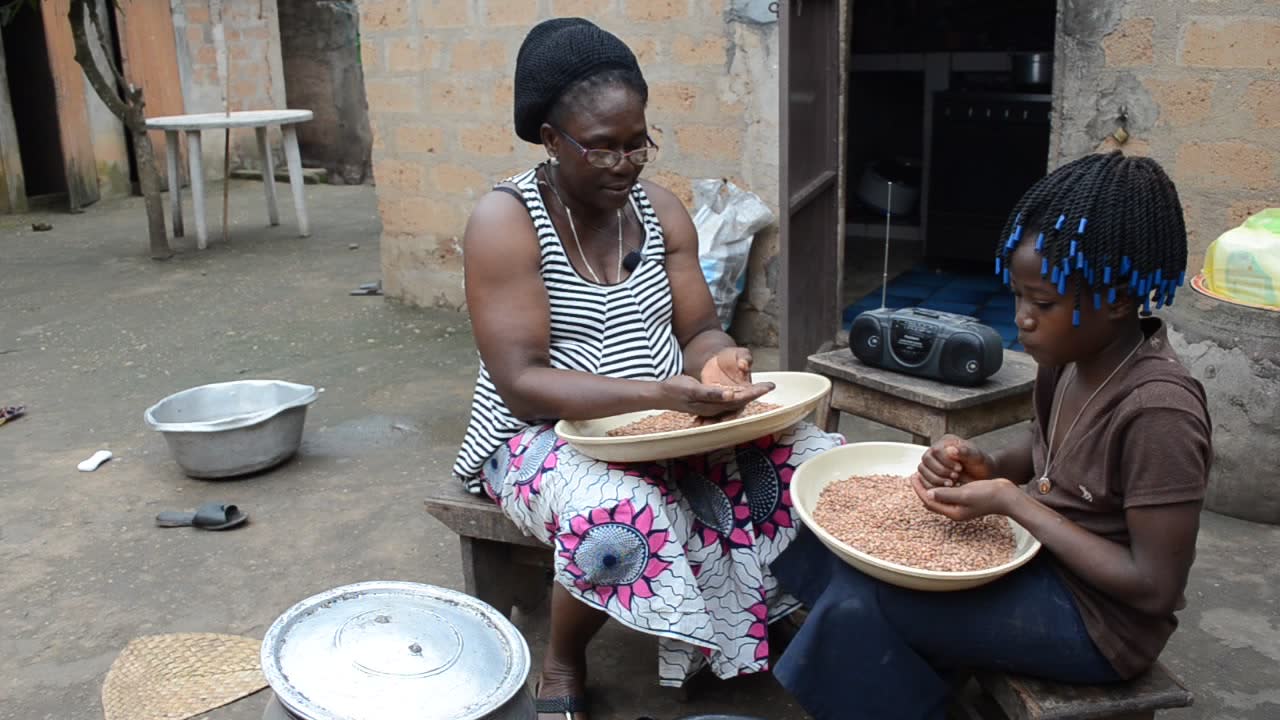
(178, 676)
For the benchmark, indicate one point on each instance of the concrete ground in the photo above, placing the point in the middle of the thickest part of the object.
(92, 333)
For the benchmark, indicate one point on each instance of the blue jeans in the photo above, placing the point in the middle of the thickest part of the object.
(871, 650)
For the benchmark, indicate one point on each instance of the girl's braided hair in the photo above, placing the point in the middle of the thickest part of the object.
(1113, 221)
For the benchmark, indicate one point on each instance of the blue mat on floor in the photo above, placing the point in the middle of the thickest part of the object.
(981, 296)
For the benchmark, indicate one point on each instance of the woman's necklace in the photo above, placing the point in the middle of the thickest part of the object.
(574, 231)
(1045, 484)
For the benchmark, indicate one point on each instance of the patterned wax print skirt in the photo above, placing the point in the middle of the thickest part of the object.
(679, 548)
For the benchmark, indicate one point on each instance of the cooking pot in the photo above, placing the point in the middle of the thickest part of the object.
(873, 186)
(388, 650)
(1033, 70)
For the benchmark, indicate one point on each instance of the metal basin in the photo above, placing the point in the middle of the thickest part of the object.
(234, 428)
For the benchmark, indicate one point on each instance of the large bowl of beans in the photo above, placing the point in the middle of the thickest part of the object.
(661, 435)
(858, 501)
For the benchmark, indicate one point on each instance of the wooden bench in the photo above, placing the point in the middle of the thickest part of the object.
(500, 565)
(1013, 697)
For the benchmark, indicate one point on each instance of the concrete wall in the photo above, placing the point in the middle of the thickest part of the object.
(321, 51)
(252, 31)
(109, 147)
(1200, 81)
(438, 78)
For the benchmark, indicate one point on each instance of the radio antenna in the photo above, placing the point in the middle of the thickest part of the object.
(884, 279)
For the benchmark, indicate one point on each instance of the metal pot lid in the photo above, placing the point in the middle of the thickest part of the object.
(389, 650)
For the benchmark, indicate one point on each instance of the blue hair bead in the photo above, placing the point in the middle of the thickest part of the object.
(1061, 219)
(1158, 272)
(1075, 317)
(1074, 245)
(1111, 296)
(1044, 266)
(1106, 275)
(1079, 261)
(1124, 265)
(1097, 301)
(1182, 276)
(998, 259)
(1146, 305)
(1066, 265)
(1062, 284)
(1133, 278)
(1040, 243)
(1006, 276)
(1017, 233)
(1054, 276)
(1083, 222)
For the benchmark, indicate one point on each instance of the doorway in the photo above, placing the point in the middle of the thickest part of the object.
(948, 109)
(33, 100)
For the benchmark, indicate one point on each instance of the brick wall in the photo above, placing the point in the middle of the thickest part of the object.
(438, 78)
(1200, 84)
(257, 76)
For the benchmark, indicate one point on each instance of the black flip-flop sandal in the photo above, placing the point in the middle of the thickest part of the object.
(566, 705)
(209, 516)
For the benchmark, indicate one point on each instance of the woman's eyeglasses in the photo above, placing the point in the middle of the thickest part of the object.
(607, 159)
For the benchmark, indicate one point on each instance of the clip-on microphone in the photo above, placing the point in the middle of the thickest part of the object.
(632, 260)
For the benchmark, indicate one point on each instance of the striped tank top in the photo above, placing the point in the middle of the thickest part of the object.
(621, 331)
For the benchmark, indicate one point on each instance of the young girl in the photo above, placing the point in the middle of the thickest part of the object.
(1110, 476)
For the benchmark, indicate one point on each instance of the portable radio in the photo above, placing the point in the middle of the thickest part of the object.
(954, 349)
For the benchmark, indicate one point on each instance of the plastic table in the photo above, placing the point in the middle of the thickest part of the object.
(259, 120)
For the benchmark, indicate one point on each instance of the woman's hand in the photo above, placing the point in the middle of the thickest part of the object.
(973, 500)
(684, 394)
(954, 461)
(730, 367)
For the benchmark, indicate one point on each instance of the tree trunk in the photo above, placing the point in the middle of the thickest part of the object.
(149, 179)
(130, 112)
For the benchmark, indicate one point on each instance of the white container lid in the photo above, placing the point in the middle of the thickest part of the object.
(387, 650)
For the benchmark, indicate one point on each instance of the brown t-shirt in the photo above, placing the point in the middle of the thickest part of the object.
(1143, 441)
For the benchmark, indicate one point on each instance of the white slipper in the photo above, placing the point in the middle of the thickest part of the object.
(94, 461)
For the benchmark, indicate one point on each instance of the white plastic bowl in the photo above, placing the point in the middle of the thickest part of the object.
(798, 393)
(886, 458)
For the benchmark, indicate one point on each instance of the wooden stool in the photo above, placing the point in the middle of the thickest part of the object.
(1013, 697)
(925, 408)
(500, 565)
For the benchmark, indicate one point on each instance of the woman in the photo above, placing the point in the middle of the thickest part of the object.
(1109, 478)
(587, 300)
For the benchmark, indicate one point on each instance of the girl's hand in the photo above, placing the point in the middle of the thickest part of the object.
(972, 500)
(954, 461)
(684, 394)
(730, 367)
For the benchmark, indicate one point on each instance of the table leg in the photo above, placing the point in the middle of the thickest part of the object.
(825, 416)
(195, 161)
(294, 158)
(173, 156)
(268, 175)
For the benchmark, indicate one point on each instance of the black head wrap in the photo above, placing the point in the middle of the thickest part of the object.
(556, 54)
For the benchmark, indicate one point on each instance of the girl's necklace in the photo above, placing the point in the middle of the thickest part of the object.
(574, 231)
(1045, 484)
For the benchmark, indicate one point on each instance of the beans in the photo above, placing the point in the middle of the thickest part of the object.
(882, 516)
(672, 420)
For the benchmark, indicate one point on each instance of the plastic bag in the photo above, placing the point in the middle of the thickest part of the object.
(727, 219)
